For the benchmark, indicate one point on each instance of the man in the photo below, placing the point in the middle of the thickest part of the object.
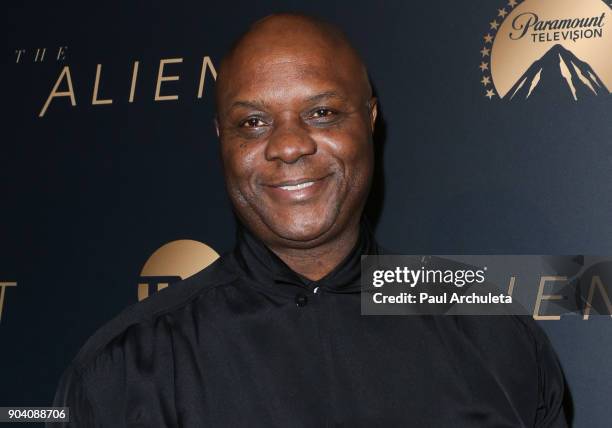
(271, 334)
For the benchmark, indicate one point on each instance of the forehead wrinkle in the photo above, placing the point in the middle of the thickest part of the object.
(293, 63)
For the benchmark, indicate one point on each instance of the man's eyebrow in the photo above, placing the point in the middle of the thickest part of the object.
(255, 104)
(328, 94)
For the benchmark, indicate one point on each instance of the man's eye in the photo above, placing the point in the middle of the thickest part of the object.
(322, 112)
(252, 122)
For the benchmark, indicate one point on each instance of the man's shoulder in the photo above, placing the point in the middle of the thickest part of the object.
(504, 340)
(140, 318)
(508, 326)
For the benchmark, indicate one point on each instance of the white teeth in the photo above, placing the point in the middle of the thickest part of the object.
(298, 186)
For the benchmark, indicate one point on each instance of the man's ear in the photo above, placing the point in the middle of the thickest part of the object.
(373, 107)
(216, 121)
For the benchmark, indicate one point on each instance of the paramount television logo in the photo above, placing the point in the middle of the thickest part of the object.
(550, 49)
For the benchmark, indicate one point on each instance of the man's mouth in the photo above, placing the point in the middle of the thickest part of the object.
(298, 186)
(297, 183)
(298, 190)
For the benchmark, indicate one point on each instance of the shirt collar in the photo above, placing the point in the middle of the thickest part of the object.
(263, 266)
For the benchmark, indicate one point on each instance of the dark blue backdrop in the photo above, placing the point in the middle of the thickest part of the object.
(89, 192)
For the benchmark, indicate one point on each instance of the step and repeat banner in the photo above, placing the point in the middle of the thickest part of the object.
(495, 138)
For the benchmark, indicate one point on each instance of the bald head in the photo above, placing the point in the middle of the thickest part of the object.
(294, 37)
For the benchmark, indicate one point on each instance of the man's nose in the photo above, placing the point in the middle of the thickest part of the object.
(289, 142)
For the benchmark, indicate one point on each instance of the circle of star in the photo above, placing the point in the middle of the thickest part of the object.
(485, 52)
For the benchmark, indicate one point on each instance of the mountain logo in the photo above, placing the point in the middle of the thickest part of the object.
(549, 49)
(558, 73)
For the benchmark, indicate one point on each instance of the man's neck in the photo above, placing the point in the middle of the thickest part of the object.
(315, 263)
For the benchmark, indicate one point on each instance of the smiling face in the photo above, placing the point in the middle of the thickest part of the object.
(295, 119)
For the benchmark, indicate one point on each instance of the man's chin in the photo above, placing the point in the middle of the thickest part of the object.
(302, 233)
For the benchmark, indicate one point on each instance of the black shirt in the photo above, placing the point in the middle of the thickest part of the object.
(247, 342)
